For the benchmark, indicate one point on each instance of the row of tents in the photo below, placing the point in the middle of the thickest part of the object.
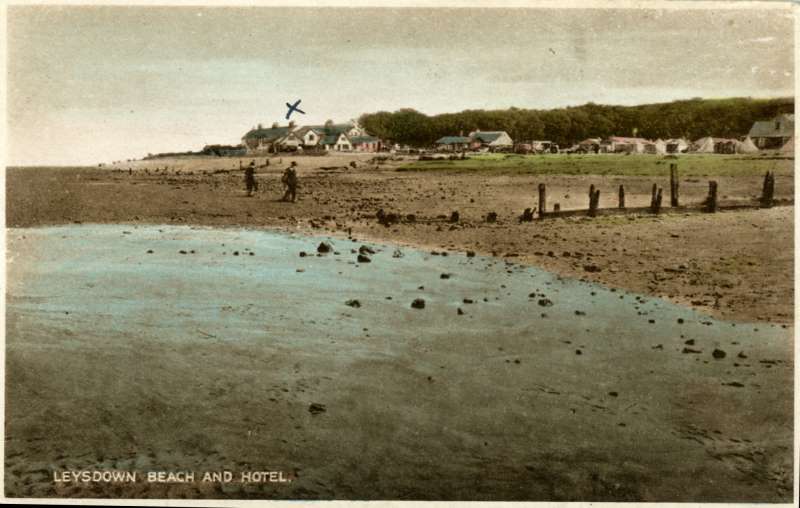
(616, 144)
(722, 145)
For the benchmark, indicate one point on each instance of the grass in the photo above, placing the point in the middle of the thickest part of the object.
(612, 164)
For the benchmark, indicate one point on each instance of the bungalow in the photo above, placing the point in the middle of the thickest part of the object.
(452, 143)
(276, 138)
(490, 139)
(772, 134)
(327, 137)
(336, 142)
(366, 143)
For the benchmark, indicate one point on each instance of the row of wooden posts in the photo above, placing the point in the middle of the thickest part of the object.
(710, 204)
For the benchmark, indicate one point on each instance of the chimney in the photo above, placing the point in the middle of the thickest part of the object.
(275, 125)
(291, 124)
(260, 126)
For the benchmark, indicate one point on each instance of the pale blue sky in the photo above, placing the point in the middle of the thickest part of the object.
(89, 84)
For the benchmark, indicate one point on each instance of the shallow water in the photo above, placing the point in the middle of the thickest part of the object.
(105, 272)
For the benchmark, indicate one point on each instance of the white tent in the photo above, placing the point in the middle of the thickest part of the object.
(746, 146)
(677, 145)
(703, 145)
(789, 146)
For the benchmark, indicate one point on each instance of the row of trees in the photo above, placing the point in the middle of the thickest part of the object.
(690, 119)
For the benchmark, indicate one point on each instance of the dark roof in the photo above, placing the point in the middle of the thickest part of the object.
(268, 134)
(364, 139)
(336, 128)
(452, 140)
(488, 136)
(329, 139)
(767, 128)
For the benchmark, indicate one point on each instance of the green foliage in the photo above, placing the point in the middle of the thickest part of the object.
(611, 164)
(690, 119)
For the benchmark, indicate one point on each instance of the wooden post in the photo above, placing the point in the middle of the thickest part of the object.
(673, 185)
(557, 207)
(768, 191)
(622, 197)
(542, 200)
(594, 200)
(771, 188)
(657, 208)
(711, 200)
(653, 197)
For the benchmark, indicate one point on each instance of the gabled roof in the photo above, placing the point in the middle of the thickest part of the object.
(336, 128)
(488, 136)
(781, 126)
(452, 140)
(330, 139)
(363, 139)
(270, 134)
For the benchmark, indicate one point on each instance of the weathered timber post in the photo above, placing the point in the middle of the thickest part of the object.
(771, 188)
(653, 196)
(768, 191)
(594, 200)
(711, 200)
(622, 197)
(673, 185)
(657, 204)
(542, 200)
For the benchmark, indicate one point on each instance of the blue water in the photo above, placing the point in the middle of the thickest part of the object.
(103, 273)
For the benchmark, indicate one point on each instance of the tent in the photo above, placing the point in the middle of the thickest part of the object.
(789, 146)
(747, 146)
(703, 145)
(677, 145)
(657, 147)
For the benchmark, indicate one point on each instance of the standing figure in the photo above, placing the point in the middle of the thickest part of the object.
(250, 179)
(289, 180)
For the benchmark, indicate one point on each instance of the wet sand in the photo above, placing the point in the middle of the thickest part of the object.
(159, 348)
(733, 265)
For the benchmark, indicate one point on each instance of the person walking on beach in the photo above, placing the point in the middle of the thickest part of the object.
(289, 180)
(250, 178)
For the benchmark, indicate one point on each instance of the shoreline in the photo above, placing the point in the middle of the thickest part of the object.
(424, 248)
(734, 265)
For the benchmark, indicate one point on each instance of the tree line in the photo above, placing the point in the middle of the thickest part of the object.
(690, 119)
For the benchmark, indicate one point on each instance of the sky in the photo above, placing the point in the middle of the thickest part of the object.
(91, 84)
